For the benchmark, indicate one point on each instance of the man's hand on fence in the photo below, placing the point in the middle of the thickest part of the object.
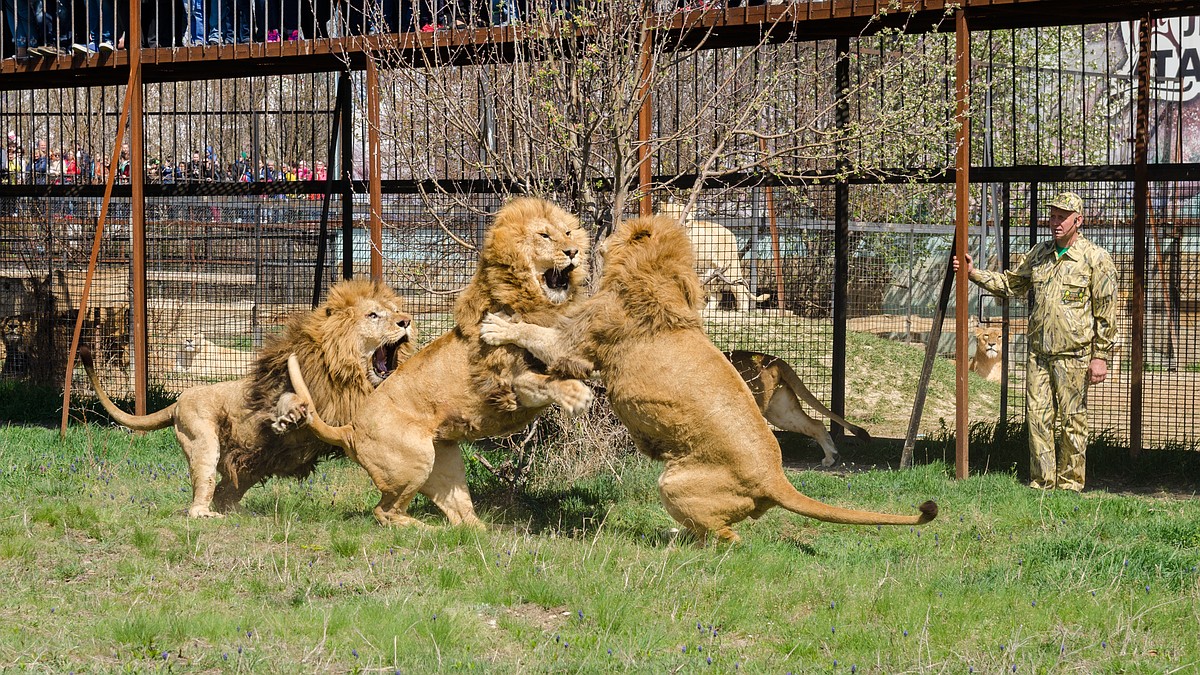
(1097, 371)
(970, 266)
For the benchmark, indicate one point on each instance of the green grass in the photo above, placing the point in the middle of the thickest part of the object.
(103, 573)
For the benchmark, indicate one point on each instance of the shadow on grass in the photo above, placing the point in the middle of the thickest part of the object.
(41, 405)
(995, 447)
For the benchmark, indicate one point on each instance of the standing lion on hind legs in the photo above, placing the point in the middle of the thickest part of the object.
(684, 403)
(252, 428)
(533, 263)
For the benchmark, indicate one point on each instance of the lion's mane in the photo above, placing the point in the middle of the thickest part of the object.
(502, 283)
(326, 340)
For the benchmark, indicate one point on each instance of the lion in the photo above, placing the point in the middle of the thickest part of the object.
(252, 428)
(778, 390)
(988, 351)
(684, 404)
(16, 332)
(716, 250)
(200, 357)
(533, 263)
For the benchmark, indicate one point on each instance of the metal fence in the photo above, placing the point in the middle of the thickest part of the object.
(235, 172)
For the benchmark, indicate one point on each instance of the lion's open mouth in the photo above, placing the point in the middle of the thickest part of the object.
(385, 360)
(558, 280)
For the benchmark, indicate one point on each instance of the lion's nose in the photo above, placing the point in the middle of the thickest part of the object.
(571, 253)
(403, 323)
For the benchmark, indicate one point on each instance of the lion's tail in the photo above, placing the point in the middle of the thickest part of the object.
(797, 385)
(791, 499)
(152, 422)
(343, 436)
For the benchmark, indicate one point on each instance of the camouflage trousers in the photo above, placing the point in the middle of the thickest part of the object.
(1056, 409)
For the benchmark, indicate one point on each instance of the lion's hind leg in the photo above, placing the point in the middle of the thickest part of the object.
(202, 447)
(784, 411)
(446, 486)
(399, 466)
(689, 496)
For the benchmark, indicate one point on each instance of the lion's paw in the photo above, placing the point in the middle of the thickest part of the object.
(292, 412)
(574, 396)
(198, 511)
(830, 460)
(497, 329)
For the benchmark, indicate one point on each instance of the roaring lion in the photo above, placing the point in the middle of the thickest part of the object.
(684, 403)
(778, 390)
(533, 264)
(988, 352)
(252, 428)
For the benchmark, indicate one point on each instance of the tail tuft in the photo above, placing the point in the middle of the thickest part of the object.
(929, 511)
(85, 355)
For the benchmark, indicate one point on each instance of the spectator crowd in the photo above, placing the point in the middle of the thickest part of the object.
(34, 29)
(75, 165)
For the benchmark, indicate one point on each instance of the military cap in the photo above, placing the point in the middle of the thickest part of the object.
(1067, 201)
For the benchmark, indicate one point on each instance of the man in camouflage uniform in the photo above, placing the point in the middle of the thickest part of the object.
(1072, 328)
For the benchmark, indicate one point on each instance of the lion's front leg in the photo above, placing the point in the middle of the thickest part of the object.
(545, 344)
(534, 390)
(291, 412)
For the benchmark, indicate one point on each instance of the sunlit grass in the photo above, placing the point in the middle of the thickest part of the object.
(104, 573)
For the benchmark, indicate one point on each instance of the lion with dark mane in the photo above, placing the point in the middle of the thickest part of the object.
(684, 404)
(533, 264)
(250, 429)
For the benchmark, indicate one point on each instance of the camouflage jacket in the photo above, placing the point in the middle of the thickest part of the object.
(1074, 298)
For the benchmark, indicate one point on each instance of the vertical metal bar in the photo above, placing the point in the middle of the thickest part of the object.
(1141, 198)
(841, 235)
(1005, 329)
(375, 166)
(962, 77)
(137, 141)
(347, 174)
(774, 224)
(645, 118)
(330, 164)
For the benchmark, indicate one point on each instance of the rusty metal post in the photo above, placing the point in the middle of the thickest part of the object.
(137, 176)
(375, 167)
(1141, 198)
(94, 259)
(774, 224)
(962, 94)
(645, 175)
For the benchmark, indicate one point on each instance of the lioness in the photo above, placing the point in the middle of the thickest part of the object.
(716, 249)
(778, 390)
(198, 356)
(458, 388)
(684, 404)
(248, 429)
(986, 360)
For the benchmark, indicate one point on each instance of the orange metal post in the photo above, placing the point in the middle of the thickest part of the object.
(645, 176)
(93, 260)
(375, 167)
(137, 175)
(962, 88)
(1141, 208)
